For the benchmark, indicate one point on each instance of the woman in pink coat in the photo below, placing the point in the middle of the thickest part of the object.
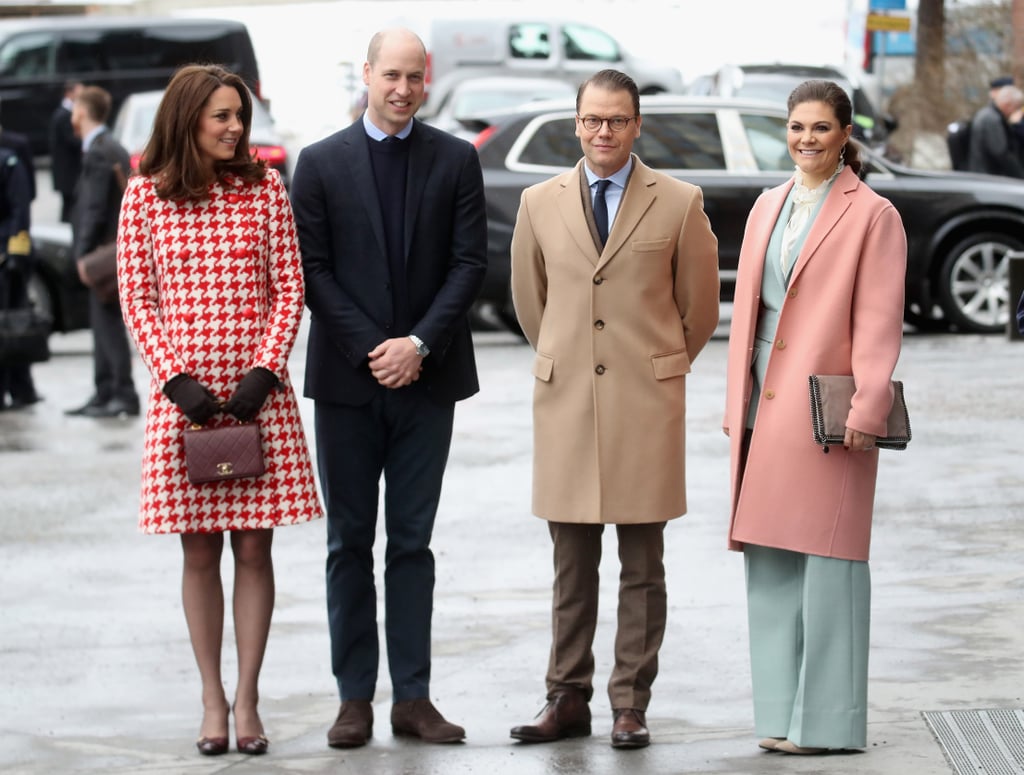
(819, 291)
(211, 288)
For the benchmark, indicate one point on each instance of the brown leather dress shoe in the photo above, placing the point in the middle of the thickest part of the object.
(419, 718)
(630, 729)
(567, 714)
(354, 725)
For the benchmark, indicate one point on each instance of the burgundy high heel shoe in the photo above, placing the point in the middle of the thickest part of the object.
(253, 746)
(212, 746)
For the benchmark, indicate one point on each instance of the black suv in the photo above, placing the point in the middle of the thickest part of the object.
(123, 55)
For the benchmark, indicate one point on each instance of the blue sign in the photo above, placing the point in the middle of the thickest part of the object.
(896, 44)
(888, 5)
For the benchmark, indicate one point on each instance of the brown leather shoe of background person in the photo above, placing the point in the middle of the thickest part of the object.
(354, 725)
(419, 718)
(567, 714)
(630, 729)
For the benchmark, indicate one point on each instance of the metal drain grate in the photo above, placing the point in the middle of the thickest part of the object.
(980, 742)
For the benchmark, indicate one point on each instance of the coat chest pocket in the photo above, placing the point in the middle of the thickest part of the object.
(650, 245)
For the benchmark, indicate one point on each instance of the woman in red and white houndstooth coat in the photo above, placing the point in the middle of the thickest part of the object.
(210, 280)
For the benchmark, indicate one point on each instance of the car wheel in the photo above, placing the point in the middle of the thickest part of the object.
(974, 285)
(40, 296)
(924, 324)
(507, 315)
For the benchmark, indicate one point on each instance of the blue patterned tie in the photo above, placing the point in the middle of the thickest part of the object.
(601, 210)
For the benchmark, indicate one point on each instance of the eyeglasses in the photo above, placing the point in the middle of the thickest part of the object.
(615, 123)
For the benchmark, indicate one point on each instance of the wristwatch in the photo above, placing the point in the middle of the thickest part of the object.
(421, 347)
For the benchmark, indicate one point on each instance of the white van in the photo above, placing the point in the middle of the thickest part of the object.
(570, 51)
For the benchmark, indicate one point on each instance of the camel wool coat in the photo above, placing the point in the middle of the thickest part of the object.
(615, 333)
(842, 314)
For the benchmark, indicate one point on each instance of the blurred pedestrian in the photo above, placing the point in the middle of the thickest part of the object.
(615, 283)
(19, 143)
(105, 165)
(211, 287)
(819, 291)
(998, 83)
(392, 225)
(65, 150)
(994, 147)
(16, 387)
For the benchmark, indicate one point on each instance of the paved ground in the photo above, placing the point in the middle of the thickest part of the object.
(98, 676)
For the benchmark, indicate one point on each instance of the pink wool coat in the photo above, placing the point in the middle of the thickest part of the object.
(214, 289)
(843, 314)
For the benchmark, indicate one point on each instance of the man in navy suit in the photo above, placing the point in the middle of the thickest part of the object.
(392, 226)
(101, 182)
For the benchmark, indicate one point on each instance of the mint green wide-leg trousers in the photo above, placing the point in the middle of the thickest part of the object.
(809, 619)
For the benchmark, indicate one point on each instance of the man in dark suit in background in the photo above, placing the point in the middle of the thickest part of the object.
(17, 142)
(392, 226)
(15, 271)
(105, 163)
(65, 150)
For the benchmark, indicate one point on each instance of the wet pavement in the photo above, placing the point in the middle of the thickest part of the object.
(98, 675)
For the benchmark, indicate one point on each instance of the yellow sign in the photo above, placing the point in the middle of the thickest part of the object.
(878, 22)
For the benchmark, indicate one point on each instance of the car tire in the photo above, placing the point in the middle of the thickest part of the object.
(974, 285)
(41, 297)
(507, 315)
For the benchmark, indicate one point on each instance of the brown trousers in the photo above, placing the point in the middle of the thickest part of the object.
(641, 615)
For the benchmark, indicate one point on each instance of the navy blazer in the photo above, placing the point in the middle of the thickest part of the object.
(344, 257)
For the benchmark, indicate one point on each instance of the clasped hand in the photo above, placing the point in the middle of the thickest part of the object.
(394, 363)
(855, 441)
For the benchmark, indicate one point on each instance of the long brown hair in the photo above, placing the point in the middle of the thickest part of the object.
(172, 156)
(835, 96)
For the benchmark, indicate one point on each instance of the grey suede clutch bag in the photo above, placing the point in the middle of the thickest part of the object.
(830, 406)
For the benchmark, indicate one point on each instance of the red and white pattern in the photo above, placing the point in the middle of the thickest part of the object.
(213, 289)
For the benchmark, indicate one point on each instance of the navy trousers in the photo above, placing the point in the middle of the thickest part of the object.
(112, 354)
(405, 436)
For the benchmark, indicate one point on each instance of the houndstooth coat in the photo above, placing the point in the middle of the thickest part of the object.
(214, 289)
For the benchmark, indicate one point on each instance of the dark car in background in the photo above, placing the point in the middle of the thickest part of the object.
(55, 287)
(481, 96)
(124, 55)
(961, 228)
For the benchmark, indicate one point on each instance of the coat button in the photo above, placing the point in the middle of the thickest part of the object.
(239, 252)
(600, 369)
(780, 345)
(248, 312)
(183, 256)
(599, 324)
(598, 280)
(792, 293)
(233, 198)
(189, 318)
(769, 394)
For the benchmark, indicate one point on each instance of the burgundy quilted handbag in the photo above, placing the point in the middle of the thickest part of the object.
(227, 452)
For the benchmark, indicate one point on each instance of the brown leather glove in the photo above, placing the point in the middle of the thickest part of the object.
(196, 402)
(250, 394)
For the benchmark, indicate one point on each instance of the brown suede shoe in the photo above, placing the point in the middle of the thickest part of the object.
(354, 725)
(567, 714)
(419, 718)
(630, 729)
